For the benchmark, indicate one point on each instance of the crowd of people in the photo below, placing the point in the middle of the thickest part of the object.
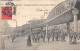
(54, 35)
(36, 37)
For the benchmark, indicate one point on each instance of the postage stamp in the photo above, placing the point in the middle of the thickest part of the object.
(6, 13)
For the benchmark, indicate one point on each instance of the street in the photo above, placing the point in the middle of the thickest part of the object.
(20, 43)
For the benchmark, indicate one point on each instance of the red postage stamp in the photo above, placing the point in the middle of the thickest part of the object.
(6, 13)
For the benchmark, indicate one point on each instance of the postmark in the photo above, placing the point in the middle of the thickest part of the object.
(6, 13)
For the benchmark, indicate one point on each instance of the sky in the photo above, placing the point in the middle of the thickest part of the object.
(26, 13)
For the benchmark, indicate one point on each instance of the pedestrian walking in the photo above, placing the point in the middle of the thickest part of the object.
(29, 41)
(13, 38)
(71, 36)
(33, 38)
(56, 35)
(38, 38)
(53, 34)
(62, 35)
(53, 37)
(48, 37)
(59, 35)
(74, 38)
(43, 37)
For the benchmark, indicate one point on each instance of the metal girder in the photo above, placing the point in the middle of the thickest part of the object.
(62, 13)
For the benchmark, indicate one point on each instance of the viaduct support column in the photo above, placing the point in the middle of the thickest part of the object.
(75, 12)
(68, 28)
(46, 29)
(68, 32)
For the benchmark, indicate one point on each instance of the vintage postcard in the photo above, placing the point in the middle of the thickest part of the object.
(39, 24)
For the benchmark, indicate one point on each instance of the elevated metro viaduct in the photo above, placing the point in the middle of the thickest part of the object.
(65, 12)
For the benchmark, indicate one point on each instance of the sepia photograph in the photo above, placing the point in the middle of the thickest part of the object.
(39, 24)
